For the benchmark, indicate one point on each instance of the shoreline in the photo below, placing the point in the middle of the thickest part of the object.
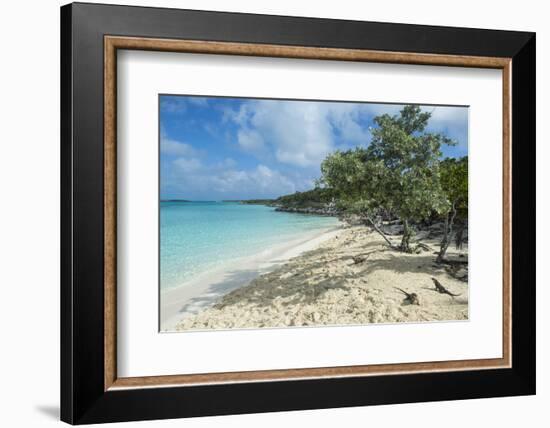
(349, 278)
(204, 290)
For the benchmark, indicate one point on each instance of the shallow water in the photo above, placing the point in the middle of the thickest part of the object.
(198, 236)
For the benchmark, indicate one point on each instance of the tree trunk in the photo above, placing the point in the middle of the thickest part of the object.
(459, 237)
(448, 233)
(405, 241)
(382, 234)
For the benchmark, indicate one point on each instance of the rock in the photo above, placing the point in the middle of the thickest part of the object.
(392, 229)
(423, 234)
(437, 227)
(327, 210)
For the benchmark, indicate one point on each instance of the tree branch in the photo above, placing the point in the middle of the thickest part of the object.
(375, 227)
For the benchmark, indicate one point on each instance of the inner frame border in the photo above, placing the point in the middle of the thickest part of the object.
(113, 43)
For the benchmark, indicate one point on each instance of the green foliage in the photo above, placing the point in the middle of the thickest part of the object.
(454, 181)
(317, 197)
(349, 174)
(254, 201)
(398, 172)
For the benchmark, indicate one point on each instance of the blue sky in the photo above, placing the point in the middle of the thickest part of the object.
(237, 148)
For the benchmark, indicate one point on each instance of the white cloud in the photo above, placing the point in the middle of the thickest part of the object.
(177, 148)
(180, 104)
(448, 115)
(250, 141)
(228, 163)
(345, 119)
(198, 101)
(188, 165)
(173, 104)
(267, 178)
(239, 116)
(298, 133)
(261, 180)
(190, 176)
(451, 121)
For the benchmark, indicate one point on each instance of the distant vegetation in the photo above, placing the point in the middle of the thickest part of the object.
(252, 201)
(315, 198)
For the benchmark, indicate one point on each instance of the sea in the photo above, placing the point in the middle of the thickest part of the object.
(196, 237)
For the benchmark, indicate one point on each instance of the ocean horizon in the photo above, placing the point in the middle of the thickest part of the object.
(199, 236)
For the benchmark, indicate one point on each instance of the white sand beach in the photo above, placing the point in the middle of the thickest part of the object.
(342, 277)
(205, 290)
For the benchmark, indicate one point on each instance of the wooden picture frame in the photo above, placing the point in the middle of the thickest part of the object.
(91, 390)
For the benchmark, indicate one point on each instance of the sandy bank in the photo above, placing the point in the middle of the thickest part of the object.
(205, 290)
(326, 286)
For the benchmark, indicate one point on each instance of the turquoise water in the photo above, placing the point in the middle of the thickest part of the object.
(198, 236)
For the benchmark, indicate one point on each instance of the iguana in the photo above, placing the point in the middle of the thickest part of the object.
(440, 289)
(412, 298)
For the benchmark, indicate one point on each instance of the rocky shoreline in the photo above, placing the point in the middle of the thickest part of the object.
(391, 228)
(324, 211)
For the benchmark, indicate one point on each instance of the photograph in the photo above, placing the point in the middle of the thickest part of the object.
(277, 210)
(267, 215)
(279, 213)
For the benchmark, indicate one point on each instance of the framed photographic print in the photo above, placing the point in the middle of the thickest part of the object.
(316, 212)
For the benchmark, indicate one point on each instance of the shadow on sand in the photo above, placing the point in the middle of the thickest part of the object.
(315, 284)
